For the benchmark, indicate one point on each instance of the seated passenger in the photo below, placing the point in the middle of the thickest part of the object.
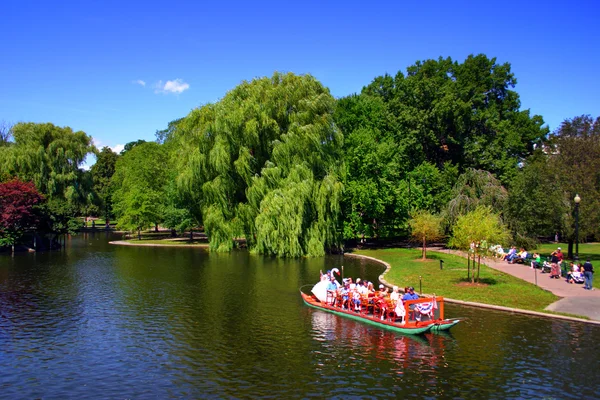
(410, 294)
(352, 284)
(395, 295)
(356, 299)
(332, 291)
(381, 301)
(362, 288)
(397, 303)
(370, 289)
(345, 292)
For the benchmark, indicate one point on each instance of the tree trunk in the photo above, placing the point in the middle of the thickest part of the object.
(468, 266)
(478, 266)
(570, 252)
(473, 273)
(155, 227)
(424, 249)
(139, 234)
(191, 234)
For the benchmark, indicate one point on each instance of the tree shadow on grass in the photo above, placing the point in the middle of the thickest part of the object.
(482, 282)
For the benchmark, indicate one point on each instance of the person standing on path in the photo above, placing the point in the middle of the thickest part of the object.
(588, 275)
(556, 260)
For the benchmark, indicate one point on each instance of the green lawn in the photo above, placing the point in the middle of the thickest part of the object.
(497, 288)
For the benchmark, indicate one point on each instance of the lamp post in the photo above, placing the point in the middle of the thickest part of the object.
(577, 199)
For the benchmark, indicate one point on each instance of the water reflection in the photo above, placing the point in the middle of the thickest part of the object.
(98, 321)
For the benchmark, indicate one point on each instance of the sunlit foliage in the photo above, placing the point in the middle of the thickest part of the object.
(265, 163)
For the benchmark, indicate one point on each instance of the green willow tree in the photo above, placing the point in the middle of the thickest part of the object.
(50, 157)
(475, 188)
(265, 162)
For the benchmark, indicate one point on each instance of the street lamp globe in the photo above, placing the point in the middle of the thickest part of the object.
(577, 199)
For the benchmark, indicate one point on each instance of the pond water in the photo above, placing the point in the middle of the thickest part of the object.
(104, 321)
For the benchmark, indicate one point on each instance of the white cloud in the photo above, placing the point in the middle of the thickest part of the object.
(176, 86)
(118, 148)
(140, 82)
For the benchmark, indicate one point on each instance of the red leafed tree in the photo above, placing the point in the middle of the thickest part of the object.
(17, 213)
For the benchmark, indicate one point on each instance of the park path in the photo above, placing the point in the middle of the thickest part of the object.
(574, 299)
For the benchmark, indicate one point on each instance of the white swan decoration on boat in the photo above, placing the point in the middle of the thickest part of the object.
(320, 289)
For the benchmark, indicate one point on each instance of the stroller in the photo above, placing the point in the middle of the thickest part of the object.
(546, 267)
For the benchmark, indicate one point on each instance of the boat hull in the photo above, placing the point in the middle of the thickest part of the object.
(410, 328)
(444, 325)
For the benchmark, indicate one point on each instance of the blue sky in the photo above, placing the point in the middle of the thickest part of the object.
(81, 64)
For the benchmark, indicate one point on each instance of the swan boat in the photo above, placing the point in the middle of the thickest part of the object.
(420, 316)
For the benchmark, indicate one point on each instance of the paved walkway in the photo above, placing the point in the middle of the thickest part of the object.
(575, 300)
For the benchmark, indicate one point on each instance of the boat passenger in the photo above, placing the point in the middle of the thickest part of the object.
(410, 294)
(345, 292)
(332, 291)
(381, 301)
(383, 289)
(395, 295)
(370, 288)
(356, 299)
(362, 288)
(398, 304)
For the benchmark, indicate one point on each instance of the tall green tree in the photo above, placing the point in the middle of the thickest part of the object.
(536, 205)
(463, 113)
(376, 160)
(131, 145)
(139, 182)
(574, 156)
(102, 172)
(265, 162)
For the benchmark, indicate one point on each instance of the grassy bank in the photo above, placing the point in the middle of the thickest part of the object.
(496, 287)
